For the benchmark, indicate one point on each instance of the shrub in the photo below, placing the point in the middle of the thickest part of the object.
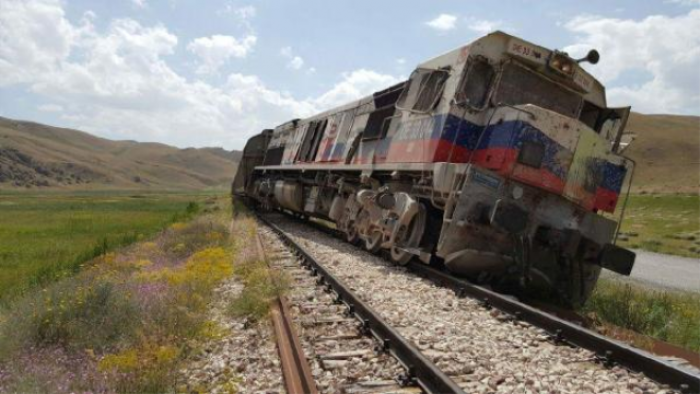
(148, 368)
(52, 370)
(76, 314)
(669, 316)
(181, 240)
(191, 210)
(262, 287)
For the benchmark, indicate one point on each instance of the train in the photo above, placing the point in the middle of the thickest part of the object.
(499, 161)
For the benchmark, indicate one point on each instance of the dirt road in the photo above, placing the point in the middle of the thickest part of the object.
(665, 271)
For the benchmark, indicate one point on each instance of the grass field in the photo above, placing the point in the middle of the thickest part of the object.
(663, 223)
(43, 237)
(129, 319)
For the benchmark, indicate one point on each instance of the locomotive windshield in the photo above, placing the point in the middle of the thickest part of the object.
(476, 83)
(519, 85)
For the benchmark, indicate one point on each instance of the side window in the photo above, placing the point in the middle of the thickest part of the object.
(345, 125)
(312, 138)
(430, 91)
(474, 88)
(425, 90)
(385, 107)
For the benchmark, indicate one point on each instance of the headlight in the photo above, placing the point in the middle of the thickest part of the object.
(562, 64)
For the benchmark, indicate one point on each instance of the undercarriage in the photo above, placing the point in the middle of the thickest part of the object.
(467, 221)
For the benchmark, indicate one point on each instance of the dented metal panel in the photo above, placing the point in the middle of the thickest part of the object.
(584, 174)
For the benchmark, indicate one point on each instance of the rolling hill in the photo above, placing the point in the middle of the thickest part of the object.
(39, 157)
(667, 152)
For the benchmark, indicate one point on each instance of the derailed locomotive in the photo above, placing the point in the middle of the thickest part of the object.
(499, 159)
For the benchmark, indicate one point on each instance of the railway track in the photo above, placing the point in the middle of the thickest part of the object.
(349, 348)
(474, 339)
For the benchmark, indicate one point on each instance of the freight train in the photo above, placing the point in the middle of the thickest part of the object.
(499, 160)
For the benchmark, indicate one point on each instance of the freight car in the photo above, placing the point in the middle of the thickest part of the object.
(499, 159)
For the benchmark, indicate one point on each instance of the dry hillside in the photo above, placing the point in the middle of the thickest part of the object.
(667, 152)
(38, 156)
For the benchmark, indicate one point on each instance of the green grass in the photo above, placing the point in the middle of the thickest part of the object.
(663, 223)
(45, 237)
(129, 320)
(673, 317)
(262, 287)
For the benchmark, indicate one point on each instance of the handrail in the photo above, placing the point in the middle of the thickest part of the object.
(627, 197)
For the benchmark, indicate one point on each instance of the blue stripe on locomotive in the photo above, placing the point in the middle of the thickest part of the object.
(510, 134)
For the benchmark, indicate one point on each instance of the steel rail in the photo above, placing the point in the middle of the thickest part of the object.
(295, 367)
(419, 369)
(608, 350)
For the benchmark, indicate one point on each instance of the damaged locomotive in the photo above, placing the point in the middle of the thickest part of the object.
(499, 159)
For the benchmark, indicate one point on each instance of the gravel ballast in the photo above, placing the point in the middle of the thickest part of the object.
(341, 359)
(243, 360)
(482, 350)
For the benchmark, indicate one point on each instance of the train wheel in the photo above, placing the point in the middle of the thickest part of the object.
(373, 242)
(351, 234)
(409, 237)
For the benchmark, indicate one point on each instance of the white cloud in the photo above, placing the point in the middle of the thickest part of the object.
(286, 52)
(295, 62)
(216, 50)
(245, 12)
(690, 3)
(242, 14)
(667, 49)
(139, 3)
(50, 108)
(354, 85)
(443, 22)
(117, 83)
(46, 38)
(483, 26)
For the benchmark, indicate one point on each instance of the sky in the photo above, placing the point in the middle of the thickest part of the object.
(213, 73)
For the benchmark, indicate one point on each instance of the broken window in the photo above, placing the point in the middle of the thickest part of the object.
(312, 139)
(424, 91)
(518, 85)
(474, 88)
(385, 104)
(345, 125)
(273, 156)
(590, 115)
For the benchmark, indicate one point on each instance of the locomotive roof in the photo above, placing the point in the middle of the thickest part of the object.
(495, 39)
